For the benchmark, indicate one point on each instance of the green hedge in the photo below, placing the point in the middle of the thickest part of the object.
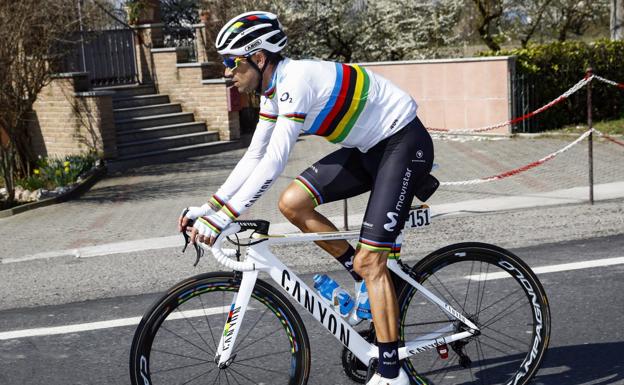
(551, 69)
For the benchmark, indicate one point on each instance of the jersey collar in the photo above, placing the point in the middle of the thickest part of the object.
(270, 90)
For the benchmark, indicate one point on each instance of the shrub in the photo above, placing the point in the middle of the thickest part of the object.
(551, 69)
(57, 172)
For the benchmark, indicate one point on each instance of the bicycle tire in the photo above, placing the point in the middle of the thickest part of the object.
(515, 343)
(185, 326)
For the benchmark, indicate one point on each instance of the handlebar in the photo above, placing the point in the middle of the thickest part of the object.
(224, 256)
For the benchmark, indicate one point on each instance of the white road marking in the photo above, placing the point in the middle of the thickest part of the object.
(553, 268)
(77, 328)
(200, 312)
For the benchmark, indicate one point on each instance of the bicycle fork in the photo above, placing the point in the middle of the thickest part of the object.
(238, 307)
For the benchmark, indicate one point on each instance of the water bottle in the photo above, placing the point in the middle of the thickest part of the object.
(330, 290)
(362, 310)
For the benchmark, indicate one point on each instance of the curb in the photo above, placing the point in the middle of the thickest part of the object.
(75, 192)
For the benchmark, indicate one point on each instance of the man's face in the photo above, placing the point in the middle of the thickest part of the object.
(243, 76)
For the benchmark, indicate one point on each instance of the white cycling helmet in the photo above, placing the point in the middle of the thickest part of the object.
(249, 33)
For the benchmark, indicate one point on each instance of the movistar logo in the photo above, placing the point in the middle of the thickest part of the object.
(393, 221)
(390, 355)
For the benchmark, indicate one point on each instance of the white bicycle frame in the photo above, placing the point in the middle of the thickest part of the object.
(259, 258)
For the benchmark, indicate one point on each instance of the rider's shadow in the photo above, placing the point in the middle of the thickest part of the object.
(598, 364)
(595, 364)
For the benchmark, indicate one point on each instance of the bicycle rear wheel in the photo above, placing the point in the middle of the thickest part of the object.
(176, 341)
(499, 293)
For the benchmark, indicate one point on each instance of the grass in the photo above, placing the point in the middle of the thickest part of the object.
(610, 127)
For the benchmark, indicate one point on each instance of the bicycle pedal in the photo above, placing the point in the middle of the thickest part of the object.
(443, 351)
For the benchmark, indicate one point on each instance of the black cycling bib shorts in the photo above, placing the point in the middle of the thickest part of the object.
(390, 170)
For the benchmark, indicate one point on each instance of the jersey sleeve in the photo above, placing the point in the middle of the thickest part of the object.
(292, 102)
(255, 152)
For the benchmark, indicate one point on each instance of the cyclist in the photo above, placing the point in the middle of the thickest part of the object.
(385, 150)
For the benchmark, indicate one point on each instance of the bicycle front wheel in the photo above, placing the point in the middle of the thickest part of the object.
(499, 293)
(177, 339)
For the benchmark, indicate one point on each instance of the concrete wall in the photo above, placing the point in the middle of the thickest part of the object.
(458, 93)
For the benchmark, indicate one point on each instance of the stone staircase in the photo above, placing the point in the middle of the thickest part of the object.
(151, 129)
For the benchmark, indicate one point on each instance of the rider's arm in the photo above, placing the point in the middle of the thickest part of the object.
(251, 158)
(268, 169)
(292, 100)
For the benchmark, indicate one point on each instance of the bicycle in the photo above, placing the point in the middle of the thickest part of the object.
(234, 328)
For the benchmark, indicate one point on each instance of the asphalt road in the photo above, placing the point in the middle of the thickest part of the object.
(587, 338)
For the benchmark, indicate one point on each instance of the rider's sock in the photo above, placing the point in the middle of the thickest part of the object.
(347, 261)
(389, 359)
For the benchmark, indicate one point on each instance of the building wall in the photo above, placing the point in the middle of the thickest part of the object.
(67, 122)
(455, 94)
(186, 84)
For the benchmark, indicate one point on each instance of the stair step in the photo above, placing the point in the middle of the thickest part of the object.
(185, 140)
(141, 100)
(159, 131)
(156, 109)
(171, 154)
(130, 90)
(154, 121)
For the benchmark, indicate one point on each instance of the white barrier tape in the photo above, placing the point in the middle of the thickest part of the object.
(609, 138)
(520, 169)
(611, 82)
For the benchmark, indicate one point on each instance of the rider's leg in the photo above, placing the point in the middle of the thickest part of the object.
(371, 265)
(297, 206)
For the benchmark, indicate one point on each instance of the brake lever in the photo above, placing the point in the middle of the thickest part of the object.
(187, 239)
(200, 253)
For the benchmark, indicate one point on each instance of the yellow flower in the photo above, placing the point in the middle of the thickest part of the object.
(36, 171)
(58, 172)
(66, 164)
(66, 169)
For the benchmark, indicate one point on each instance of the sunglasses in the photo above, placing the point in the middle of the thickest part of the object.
(232, 62)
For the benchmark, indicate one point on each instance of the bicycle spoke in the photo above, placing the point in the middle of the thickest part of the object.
(483, 289)
(226, 377)
(447, 365)
(184, 339)
(198, 376)
(504, 313)
(217, 377)
(427, 323)
(482, 361)
(208, 321)
(262, 368)
(180, 367)
(503, 343)
(180, 355)
(527, 343)
(242, 375)
(252, 328)
(262, 355)
(449, 292)
(196, 331)
(515, 293)
(234, 378)
(468, 288)
(255, 342)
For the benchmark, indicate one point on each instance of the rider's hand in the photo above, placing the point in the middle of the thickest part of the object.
(192, 213)
(207, 229)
